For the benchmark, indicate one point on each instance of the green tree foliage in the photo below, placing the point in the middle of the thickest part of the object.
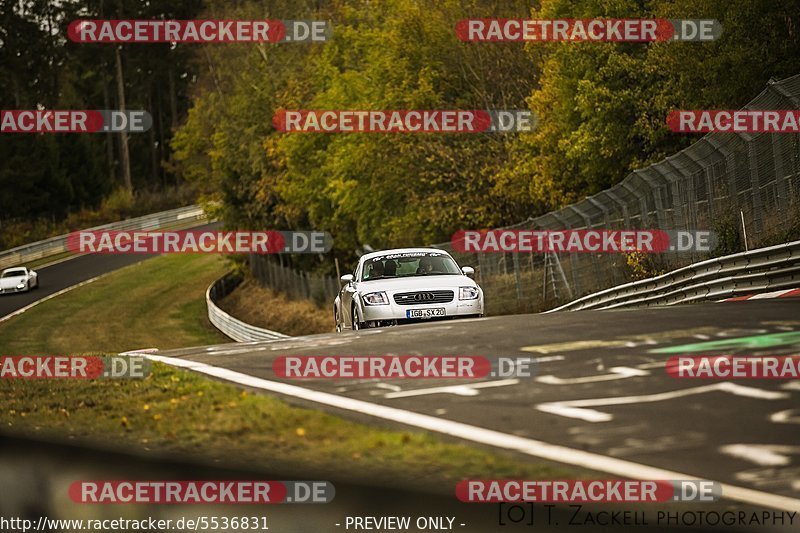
(381, 189)
(48, 176)
(602, 106)
(601, 109)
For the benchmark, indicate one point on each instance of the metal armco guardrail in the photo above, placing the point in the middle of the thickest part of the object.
(172, 219)
(772, 268)
(231, 326)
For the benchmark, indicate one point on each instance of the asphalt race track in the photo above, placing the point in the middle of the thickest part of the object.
(743, 433)
(599, 384)
(66, 274)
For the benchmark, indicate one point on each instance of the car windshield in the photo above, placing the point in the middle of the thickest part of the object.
(409, 264)
(13, 273)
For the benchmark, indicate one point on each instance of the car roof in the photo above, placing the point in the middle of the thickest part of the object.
(400, 251)
(24, 269)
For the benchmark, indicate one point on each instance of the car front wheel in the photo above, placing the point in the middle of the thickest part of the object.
(356, 324)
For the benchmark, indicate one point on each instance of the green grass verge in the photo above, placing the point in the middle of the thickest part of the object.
(157, 303)
(176, 411)
(160, 303)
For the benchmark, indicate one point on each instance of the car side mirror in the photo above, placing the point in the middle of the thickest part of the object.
(468, 271)
(347, 278)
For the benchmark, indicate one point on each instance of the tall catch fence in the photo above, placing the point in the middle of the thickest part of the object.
(744, 187)
(294, 283)
(730, 183)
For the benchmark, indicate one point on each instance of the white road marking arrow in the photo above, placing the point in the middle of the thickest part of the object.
(578, 408)
(617, 372)
(789, 416)
(762, 454)
(470, 389)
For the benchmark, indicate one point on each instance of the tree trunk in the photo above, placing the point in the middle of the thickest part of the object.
(109, 138)
(153, 144)
(123, 144)
(173, 99)
(161, 145)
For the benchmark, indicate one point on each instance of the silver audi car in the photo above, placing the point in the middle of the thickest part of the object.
(406, 285)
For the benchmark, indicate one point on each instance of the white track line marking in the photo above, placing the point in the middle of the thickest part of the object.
(58, 261)
(49, 297)
(534, 448)
(469, 389)
(773, 294)
(763, 295)
(140, 351)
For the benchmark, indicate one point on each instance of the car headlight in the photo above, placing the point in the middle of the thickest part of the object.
(21, 285)
(468, 293)
(376, 298)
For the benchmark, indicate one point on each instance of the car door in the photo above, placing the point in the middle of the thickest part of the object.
(347, 297)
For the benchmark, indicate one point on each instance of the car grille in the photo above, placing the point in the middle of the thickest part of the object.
(423, 297)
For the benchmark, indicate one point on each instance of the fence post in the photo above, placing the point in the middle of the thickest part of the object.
(755, 188)
(626, 219)
(781, 190)
(644, 214)
(655, 192)
(596, 270)
(517, 276)
(730, 169)
(675, 184)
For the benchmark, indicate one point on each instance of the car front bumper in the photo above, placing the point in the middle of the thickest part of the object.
(394, 312)
(11, 290)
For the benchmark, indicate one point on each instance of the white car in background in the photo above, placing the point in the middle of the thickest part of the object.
(406, 285)
(18, 279)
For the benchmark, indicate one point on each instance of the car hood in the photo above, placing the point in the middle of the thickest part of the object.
(11, 283)
(416, 283)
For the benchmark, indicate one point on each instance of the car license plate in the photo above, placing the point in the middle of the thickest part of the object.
(425, 313)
